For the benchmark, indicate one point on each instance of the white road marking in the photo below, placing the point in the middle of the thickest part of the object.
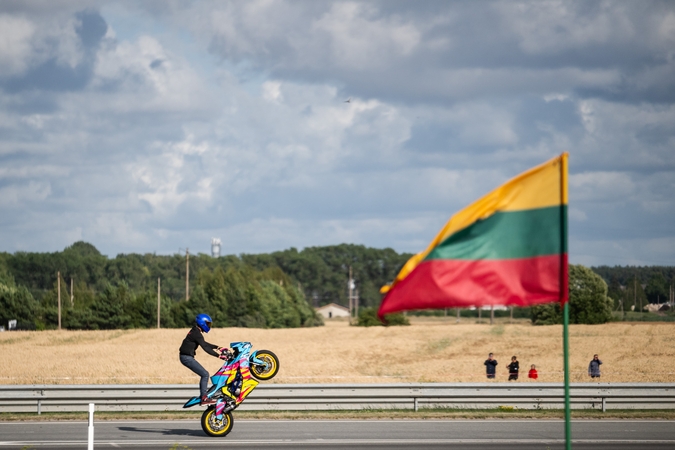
(225, 442)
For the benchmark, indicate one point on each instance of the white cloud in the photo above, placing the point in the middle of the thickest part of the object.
(601, 186)
(166, 181)
(666, 28)
(18, 195)
(228, 119)
(28, 42)
(358, 38)
(15, 44)
(147, 78)
(558, 25)
(272, 91)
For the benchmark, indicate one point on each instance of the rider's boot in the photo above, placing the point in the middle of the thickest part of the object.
(206, 401)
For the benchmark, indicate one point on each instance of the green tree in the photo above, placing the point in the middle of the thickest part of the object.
(368, 318)
(111, 308)
(657, 289)
(323, 272)
(17, 303)
(588, 300)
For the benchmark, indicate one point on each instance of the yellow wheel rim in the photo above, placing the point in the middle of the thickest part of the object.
(264, 374)
(215, 426)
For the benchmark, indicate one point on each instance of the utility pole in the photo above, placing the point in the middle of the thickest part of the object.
(72, 298)
(187, 274)
(511, 318)
(479, 315)
(492, 314)
(356, 303)
(635, 293)
(351, 288)
(158, 301)
(58, 295)
(457, 315)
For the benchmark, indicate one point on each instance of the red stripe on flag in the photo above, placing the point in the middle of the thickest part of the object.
(443, 283)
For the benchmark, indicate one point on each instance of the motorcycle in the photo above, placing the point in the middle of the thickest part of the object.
(233, 382)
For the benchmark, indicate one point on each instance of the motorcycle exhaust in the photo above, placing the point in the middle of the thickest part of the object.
(228, 409)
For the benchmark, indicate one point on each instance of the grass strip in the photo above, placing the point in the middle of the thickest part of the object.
(365, 414)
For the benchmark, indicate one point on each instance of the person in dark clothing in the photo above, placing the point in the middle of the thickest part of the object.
(490, 366)
(514, 367)
(188, 349)
(594, 367)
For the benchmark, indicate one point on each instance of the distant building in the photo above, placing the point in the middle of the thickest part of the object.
(488, 308)
(215, 247)
(331, 311)
(652, 307)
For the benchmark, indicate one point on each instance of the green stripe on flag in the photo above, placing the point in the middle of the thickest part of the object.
(506, 235)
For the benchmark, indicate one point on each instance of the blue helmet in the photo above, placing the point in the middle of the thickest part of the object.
(203, 321)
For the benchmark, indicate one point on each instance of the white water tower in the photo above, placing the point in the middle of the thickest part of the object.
(215, 247)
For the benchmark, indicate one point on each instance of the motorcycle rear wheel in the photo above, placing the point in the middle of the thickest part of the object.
(214, 427)
(265, 373)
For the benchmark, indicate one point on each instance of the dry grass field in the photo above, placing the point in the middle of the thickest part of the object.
(430, 350)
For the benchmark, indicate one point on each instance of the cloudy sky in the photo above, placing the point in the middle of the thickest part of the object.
(154, 126)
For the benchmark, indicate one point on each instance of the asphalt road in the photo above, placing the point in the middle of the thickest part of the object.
(344, 434)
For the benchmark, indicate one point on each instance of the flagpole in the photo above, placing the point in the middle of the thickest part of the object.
(566, 352)
(564, 298)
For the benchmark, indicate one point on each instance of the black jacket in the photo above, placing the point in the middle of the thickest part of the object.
(195, 339)
(490, 366)
(514, 367)
(594, 368)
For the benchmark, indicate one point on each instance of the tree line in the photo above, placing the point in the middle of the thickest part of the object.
(257, 290)
(122, 292)
(635, 287)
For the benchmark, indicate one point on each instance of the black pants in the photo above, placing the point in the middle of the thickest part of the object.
(191, 363)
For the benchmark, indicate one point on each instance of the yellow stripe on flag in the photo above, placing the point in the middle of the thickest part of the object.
(539, 187)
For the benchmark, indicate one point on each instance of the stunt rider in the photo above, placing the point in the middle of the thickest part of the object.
(188, 349)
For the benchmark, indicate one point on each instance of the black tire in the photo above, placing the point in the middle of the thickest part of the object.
(212, 426)
(265, 373)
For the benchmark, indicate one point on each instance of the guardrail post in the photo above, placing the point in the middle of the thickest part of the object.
(603, 404)
(39, 402)
(415, 403)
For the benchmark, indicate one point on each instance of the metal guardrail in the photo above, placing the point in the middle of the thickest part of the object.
(53, 398)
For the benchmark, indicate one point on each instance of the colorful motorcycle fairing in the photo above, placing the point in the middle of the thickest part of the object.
(192, 402)
(233, 382)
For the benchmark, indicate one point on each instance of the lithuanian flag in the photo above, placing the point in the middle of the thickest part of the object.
(507, 248)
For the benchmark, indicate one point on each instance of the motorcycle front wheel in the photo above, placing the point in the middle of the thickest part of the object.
(267, 371)
(214, 427)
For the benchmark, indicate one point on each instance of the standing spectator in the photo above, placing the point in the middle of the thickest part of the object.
(594, 367)
(533, 373)
(514, 367)
(490, 366)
